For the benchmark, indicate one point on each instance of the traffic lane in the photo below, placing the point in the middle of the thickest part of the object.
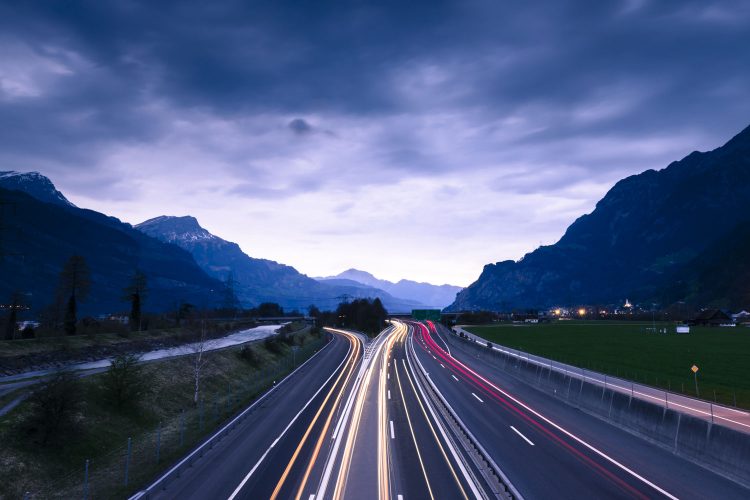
(445, 477)
(222, 468)
(360, 479)
(544, 469)
(297, 473)
(675, 474)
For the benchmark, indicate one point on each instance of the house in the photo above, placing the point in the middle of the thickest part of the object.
(741, 317)
(711, 317)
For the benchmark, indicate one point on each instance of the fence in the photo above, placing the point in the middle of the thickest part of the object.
(130, 465)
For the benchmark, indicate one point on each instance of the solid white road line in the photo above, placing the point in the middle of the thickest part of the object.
(480, 399)
(393, 436)
(524, 437)
(291, 422)
(454, 378)
(569, 434)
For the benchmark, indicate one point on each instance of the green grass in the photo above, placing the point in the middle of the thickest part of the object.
(229, 383)
(629, 351)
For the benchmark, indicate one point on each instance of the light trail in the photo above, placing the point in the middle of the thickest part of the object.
(327, 424)
(504, 398)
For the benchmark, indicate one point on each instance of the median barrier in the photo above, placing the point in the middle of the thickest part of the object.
(729, 450)
(714, 446)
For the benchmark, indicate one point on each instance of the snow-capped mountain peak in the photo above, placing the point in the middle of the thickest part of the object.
(172, 229)
(34, 184)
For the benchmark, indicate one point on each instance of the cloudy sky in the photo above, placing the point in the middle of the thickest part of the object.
(410, 139)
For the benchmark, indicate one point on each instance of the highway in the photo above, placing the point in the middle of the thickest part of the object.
(273, 452)
(393, 445)
(416, 414)
(550, 449)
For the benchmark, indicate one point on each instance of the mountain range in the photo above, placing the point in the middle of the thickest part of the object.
(678, 234)
(260, 280)
(40, 229)
(437, 296)
(38, 237)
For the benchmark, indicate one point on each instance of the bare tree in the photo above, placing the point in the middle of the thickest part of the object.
(199, 360)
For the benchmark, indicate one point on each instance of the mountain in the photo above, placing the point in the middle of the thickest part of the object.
(34, 184)
(260, 280)
(37, 238)
(645, 239)
(432, 295)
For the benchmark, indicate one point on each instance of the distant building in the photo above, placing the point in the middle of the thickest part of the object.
(711, 317)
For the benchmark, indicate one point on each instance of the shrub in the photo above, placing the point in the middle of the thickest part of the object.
(54, 405)
(123, 381)
(248, 354)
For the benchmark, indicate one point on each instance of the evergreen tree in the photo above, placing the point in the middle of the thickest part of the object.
(75, 282)
(135, 293)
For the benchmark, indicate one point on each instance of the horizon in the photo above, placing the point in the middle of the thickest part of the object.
(375, 137)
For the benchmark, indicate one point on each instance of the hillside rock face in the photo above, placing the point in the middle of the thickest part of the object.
(259, 280)
(648, 230)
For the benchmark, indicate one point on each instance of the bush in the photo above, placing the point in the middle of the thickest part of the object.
(248, 354)
(123, 381)
(54, 406)
(272, 345)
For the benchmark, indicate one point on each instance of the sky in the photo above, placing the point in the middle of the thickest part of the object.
(416, 140)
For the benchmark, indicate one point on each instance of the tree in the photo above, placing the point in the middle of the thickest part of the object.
(230, 303)
(75, 282)
(199, 360)
(270, 310)
(54, 404)
(123, 381)
(135, 293)
(183, 311)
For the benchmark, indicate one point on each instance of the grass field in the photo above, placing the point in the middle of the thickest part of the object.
(630, 351)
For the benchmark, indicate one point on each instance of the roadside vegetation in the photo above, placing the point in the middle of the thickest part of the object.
(68, 420)
(632, 350)
(364, 315)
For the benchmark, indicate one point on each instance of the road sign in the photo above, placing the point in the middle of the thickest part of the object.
(695, 369)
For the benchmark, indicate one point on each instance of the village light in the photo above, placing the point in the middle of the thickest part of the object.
(582, 312)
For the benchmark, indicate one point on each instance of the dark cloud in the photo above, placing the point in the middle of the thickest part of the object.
(300, 126)
(527, 97)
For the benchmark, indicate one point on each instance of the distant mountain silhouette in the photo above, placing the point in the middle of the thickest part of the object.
(38, 237)
(655, 236)
(260, 280)
(426, 293)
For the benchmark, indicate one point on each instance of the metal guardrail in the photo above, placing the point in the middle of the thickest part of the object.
(715, 413)
(502, 480)
(176, 470)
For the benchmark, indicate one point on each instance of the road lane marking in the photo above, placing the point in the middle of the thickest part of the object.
(389, 394)
(312, 496)
(566, 432)
(441, 364)
(480, 399)
(454, 378)
(413, 436)
(265, 454)
(524, 437)
(393, 436)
